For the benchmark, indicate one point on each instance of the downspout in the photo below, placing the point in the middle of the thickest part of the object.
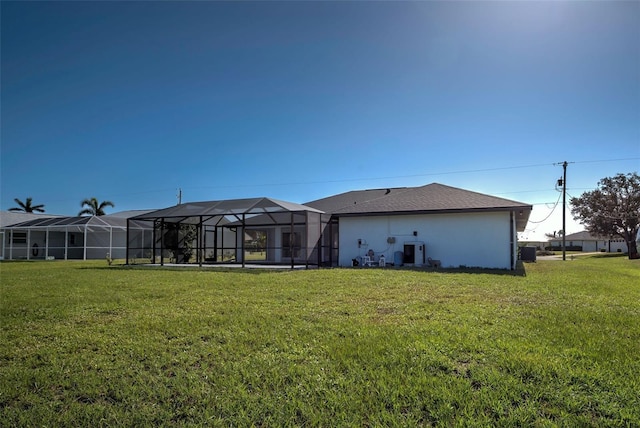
(28, 244)
(66, 243)
(11, 245)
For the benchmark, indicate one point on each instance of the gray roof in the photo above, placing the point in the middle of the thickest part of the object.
(8, 218)
(580, 236)
(431, 198)
(117, 220)
(252, 206)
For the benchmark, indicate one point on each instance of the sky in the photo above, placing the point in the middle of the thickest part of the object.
(135, 102)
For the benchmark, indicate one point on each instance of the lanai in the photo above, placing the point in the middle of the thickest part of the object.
(255, 230)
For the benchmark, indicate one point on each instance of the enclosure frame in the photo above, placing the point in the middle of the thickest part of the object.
(218, 232)
(55, 238)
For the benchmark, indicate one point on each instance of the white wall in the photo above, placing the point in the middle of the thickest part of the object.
(472, 240)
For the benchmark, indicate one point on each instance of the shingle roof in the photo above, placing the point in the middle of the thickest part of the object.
(431, 198)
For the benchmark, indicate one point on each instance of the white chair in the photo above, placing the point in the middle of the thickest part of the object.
(366, 261)
(381, 262)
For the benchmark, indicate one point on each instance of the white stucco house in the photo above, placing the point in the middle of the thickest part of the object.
(408, 226)
(589, 243)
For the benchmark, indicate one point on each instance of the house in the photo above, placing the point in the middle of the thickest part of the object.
(69, 238)
(585, 242)
(408, 225)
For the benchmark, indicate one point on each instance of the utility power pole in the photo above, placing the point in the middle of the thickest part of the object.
(564, 210)
(563, 182)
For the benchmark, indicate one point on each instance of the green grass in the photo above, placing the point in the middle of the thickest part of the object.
(84, 344)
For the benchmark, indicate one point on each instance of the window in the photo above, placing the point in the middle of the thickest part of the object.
(19, 237)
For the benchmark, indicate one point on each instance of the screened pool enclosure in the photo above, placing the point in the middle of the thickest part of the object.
(72, 238)
(238, 231)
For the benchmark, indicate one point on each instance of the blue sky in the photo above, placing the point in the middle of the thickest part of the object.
(130, 101)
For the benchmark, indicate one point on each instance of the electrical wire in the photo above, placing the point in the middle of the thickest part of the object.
(549, 215)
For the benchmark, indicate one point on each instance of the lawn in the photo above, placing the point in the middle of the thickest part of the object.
(86, 344)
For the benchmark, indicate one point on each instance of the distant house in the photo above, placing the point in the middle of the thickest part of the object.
(8, 218)
(585, 242)
(408, 225)
(38, 237)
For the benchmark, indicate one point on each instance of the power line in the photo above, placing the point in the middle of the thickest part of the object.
(347, 180)
(552, 210)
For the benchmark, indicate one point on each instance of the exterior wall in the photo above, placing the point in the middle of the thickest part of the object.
(617, 245)
(468, 239)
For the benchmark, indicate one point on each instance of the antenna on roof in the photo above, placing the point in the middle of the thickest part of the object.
(179, 195)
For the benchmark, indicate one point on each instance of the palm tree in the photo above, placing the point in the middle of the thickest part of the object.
(94, 207)
(27, 206)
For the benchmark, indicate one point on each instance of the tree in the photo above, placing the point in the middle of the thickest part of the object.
(613, 209)
(27, 206)
(94, 207)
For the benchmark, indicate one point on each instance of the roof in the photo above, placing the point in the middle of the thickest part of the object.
(250, 206)
(117, 220)
(431, 198)
(580, 236)
(12, 217)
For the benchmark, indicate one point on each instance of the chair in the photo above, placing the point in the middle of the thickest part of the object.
(381, 261)
(368, 260)
(434, 263)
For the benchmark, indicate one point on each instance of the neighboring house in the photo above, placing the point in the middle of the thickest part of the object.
(407, 225)
(69, 238)
(455, 226)
(584, 241)
(8, 218)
